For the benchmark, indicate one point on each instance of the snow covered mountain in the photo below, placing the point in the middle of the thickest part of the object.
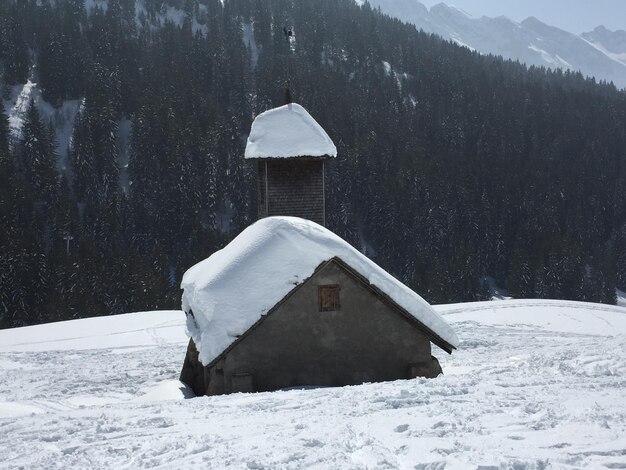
(534, 384)
(612, 43)
(600, 54)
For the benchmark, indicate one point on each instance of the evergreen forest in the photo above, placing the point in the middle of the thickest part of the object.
(455, 170)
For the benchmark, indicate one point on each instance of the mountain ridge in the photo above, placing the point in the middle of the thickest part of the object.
(600, 54)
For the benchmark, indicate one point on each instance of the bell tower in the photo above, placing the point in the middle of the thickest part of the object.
(290, 149)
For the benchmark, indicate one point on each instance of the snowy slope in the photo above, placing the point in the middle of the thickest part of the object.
(531, 41)
(131, 330)
(534, 384)
(61, 118)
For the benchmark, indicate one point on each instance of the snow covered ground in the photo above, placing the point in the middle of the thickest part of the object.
(534, 384)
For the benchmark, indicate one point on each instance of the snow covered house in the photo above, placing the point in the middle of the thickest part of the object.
(290, 149)
(288, 303)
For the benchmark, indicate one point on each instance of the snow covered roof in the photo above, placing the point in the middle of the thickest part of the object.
(288, 131)
(233, 288)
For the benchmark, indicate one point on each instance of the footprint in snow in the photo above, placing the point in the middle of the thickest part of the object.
(312, 443)
(401, 428)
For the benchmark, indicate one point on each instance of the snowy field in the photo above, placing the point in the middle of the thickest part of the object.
(534, 385)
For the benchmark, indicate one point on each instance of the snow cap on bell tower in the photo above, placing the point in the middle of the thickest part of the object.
(288, 131)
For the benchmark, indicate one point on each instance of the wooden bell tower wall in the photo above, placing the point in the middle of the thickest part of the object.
(292, 187)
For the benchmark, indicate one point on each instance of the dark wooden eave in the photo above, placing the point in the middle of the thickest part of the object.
(298, 157)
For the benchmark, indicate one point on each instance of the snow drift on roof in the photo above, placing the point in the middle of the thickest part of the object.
(288, 131)
(233, 288)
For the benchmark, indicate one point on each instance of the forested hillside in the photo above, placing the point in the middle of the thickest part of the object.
(452, 166)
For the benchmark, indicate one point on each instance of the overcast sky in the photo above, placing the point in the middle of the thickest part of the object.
(576, 16)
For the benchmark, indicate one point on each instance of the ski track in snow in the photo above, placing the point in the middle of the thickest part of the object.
(527, 389)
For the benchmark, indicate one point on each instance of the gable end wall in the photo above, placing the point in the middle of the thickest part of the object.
(297, 345)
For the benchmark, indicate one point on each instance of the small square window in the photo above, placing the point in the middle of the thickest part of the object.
(329, 298)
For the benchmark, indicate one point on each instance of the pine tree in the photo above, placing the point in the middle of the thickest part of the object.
(103, 104)
(7, 221)
(14, 56)
(521, 282)
(23, 266)
(5, 155)
(51, 68)
(82, 157)
(552, 280)
(37, 155)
